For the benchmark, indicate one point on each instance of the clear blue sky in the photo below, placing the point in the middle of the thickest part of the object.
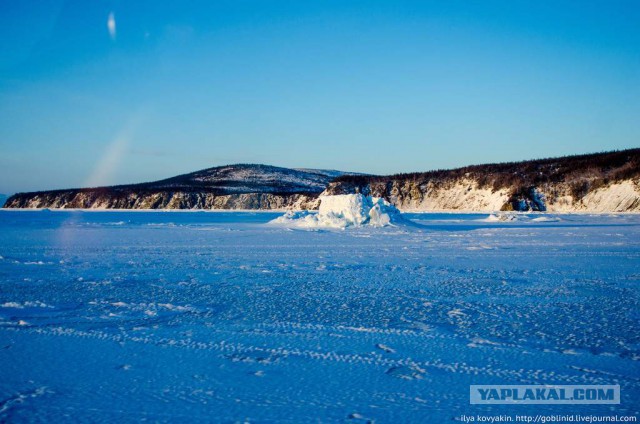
(104, 92)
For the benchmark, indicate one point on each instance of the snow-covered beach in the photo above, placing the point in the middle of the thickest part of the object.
(225, 317)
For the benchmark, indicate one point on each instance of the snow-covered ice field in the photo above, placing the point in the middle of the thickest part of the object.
(221, 317)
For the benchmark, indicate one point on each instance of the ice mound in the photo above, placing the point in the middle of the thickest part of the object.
(501, 217)
(516, 217)
(345, 210)
(547, 219)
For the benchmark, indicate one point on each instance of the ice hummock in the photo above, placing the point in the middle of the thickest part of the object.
(345, 210)
(518, 217)
(501, 217)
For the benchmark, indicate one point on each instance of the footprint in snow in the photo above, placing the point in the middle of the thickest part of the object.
(407, 372)
(385, 348)
(254, 357)
(355, 417)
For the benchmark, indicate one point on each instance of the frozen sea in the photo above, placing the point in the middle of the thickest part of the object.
(221, 317)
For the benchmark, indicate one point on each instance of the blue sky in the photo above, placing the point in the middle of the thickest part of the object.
(368, 86)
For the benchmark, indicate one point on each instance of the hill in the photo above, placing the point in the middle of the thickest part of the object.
(241, 186)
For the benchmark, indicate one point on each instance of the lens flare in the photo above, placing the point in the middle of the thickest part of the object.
(111, 26)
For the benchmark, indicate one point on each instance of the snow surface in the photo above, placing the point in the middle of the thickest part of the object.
(217, 317)
(332, 173)
(265, 179)
(344, 210)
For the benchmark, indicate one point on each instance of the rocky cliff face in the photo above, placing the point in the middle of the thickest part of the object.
(607, 182)
(226, 187)
(114, 199)
(466, 195)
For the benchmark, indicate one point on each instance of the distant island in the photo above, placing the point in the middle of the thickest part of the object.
(601, 182)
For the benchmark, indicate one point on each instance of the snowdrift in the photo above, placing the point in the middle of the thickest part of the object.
(517, 217)
(345, 210)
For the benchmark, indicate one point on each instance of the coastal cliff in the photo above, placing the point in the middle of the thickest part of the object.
(602, 182)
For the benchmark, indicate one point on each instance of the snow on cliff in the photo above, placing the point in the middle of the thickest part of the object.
(345, 210)
(623, 196)
(259, 179)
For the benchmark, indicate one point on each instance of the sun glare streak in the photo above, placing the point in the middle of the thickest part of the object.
(109, 161)
(114, 152)
(102, 173)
